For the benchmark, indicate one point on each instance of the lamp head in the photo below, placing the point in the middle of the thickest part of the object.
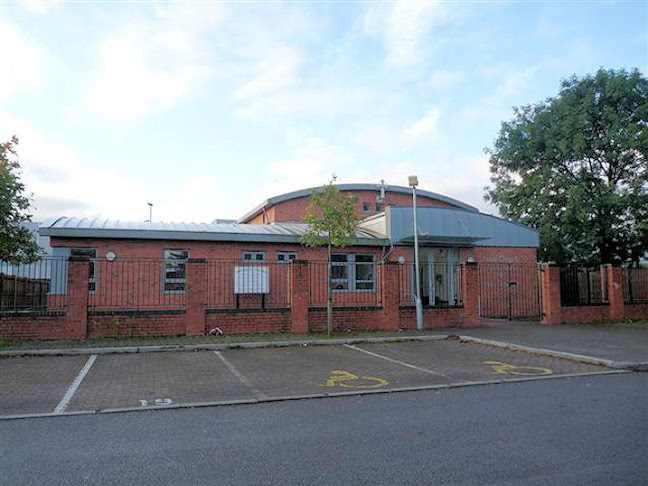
(412, 181)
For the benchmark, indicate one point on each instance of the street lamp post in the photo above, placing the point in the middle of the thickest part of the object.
(413, 182)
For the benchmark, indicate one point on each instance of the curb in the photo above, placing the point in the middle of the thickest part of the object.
(216, 347)
(617, 365)
(254, 401)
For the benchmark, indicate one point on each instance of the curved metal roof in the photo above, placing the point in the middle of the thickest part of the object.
(106, 228)
(355, 187)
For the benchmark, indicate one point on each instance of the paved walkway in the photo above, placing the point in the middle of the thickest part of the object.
(605, 342)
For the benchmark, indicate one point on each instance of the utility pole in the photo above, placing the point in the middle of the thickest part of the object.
(413, 182)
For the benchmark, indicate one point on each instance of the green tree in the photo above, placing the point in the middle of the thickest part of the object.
(332, 222)
(574, 167)
(16, 242)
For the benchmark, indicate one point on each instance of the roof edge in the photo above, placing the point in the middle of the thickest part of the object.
(353, 187)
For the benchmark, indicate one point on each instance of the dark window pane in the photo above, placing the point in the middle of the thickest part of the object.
(174, 286)
(339, 258)
(364, 272)
(364, 258)
(339, 272)
(343, 285)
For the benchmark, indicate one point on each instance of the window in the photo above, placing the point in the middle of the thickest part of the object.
(175, 270)
(366, 207)
(351, 271)
(92, 254)
(254, 256)
(380, 207)
(339, 272)
(285, 256)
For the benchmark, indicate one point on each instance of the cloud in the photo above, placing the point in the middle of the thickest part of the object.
(443, 79)
(386, 140)
(404, 28)
(276, 70)
(41, 6)
(64, 186)
(328, 101)
(514, 82)
(24, 62)
(152, 65)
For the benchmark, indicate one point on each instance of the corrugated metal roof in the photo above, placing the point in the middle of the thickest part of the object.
(107, 228)
(355, 187)
(438, 224)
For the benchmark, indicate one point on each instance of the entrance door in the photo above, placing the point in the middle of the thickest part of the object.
(439, 267)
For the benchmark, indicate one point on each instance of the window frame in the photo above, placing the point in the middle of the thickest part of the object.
(382, 207)
(351, 263)
(287, 255)
(253, 253)
(367, 207)
(166, 260)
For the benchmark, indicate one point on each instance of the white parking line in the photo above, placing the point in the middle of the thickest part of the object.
(402, 363)
(65, 401)
(258, 394)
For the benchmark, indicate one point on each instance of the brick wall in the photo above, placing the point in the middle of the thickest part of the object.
(293, 210)
(636, 311)
(247, 321)
(136, 324)
(433, 318)
(346, 318)
(32, 326)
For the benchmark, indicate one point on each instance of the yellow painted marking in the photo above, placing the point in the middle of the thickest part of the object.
(511, 369)
(349, 380)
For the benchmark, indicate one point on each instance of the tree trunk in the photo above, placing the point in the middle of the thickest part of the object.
(329, 300)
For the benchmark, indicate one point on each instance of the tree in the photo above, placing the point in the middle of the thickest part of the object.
(332, 222)
(575, 168)
(16, 242)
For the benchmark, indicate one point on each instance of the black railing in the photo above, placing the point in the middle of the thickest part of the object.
(38, 286)
(247, 284)
(136, 284)
(352, 284)
(440, 284)
(635, 288)
(583, 286)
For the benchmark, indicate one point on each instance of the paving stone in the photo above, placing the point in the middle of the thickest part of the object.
(117, 381)
(36, 385)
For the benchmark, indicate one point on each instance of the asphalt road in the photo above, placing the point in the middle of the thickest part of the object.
(582, 430)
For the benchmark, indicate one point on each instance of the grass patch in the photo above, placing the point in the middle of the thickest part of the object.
(192, 340)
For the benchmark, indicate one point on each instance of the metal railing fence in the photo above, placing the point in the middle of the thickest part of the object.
(134, 284)
(352, 284)
(635, 288)
(440, 284)
(38, 286)
(583, 286)
(247, 284)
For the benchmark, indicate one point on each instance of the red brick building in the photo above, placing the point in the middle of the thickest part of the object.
(155, 278)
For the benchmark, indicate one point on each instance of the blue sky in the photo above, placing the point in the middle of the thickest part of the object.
(207, 108)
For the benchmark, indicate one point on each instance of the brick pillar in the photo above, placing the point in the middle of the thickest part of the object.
(470, 294)
(615, 291)
(389, 290)
(196, 302)
(299, 284)
(551, 303)
(76, 302)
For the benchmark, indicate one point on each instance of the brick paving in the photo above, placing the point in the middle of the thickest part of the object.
(37, 385)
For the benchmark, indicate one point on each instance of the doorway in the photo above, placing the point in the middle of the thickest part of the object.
(440, 277)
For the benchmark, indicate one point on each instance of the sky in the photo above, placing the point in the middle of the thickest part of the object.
(206, 109)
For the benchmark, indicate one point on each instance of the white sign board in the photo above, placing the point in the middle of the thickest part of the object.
(251, 280)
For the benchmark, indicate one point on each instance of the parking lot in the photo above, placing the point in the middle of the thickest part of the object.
(73, 384)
